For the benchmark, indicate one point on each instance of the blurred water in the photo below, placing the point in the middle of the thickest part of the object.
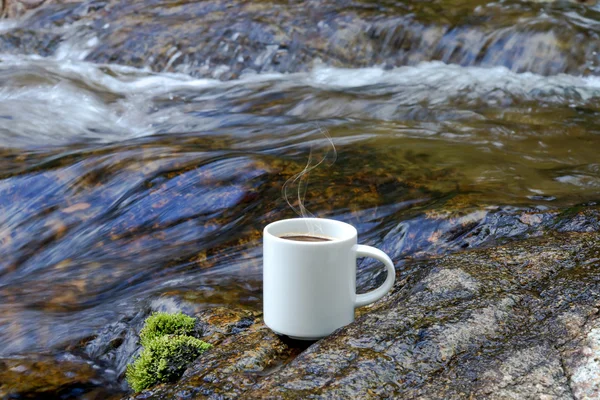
(119, 184)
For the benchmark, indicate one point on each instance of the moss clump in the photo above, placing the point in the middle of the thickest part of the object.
(160, 324)
(168, 349)
(163, 359)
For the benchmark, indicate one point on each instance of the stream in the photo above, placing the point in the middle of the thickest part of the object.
(122, 184)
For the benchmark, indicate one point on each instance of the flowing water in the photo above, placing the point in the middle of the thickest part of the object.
(119, 185)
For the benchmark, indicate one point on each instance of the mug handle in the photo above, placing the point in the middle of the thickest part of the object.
(376, 294)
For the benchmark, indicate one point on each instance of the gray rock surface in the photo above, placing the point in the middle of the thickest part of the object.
(517, 321)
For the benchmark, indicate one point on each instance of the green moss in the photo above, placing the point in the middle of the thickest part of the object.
(164, 359)
(160, 323)
(168, 349)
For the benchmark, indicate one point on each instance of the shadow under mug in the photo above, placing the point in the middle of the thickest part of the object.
(309, 288)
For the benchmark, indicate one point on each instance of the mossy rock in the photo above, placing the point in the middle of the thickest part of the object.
(164, 359)
(519, 320)
(168, 349)
(160, 324)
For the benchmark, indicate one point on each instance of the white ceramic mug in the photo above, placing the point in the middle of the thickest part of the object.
(309, 288)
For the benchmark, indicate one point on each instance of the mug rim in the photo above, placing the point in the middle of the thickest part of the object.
(352, 229)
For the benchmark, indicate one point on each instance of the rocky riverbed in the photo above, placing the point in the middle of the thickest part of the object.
(144, 145)
(225, 39)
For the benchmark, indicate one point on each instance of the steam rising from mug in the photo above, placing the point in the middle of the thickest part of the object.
(300, 181)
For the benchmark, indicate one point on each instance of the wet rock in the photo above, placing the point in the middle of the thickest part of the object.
(581, 360)
(485, 325)
(532, 372)
(224, 39)
(231, 368)
(440, 232)
(243, 349)
(26, 41)
(118, 344)
(449, 283)
(579, 219)
(64, 376)
(234, 38)
(16, 8)
(519, 321)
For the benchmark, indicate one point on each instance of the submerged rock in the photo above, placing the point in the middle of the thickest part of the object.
(15, 8)
(64, 377)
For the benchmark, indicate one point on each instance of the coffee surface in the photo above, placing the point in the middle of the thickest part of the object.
(306, 238)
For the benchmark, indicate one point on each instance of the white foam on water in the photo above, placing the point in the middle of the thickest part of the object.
(8, 25)
(117, 79)
(55, 114)
(436, 82)
(79, 101)
(63, 99)
(585, 181)
(433, 81)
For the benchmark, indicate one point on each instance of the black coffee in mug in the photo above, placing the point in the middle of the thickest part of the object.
(305, 238)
